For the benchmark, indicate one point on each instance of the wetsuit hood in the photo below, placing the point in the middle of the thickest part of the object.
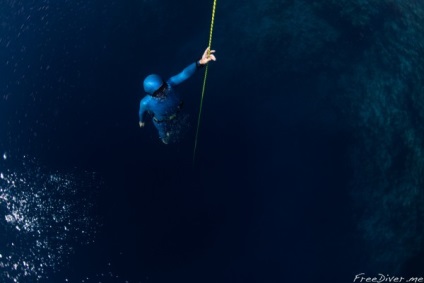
(152, 83)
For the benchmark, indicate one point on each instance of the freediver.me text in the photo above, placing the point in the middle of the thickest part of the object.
(380, 278)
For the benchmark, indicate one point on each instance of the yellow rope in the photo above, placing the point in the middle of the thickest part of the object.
(204, 81)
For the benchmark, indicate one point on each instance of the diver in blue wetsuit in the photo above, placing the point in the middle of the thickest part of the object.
(161, 99)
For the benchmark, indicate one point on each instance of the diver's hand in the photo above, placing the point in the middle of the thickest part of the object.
(207, 56)
(141, 124)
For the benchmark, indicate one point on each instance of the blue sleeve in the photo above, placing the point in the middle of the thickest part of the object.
(143, 109)
(184, 75)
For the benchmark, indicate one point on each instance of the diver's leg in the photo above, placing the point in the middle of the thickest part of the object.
(162, 130)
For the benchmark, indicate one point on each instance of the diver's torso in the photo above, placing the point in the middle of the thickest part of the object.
(162, 108)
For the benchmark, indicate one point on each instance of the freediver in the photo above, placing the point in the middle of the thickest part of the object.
(162, 101)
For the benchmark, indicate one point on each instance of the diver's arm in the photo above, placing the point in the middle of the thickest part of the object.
(191, 69)
(184, 75)
(143, 109)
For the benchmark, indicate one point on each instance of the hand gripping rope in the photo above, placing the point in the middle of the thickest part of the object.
(204, 82)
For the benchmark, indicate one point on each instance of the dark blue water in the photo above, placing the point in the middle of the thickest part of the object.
(309, 164)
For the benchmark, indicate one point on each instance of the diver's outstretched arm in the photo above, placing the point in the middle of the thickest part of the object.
(191, 69)
(184, 75)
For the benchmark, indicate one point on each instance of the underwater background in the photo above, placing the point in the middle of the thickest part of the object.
(310, 162)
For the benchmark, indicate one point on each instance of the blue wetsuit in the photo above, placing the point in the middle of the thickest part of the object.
(165, 108)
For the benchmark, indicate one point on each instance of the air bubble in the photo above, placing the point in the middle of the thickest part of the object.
(44, 218)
